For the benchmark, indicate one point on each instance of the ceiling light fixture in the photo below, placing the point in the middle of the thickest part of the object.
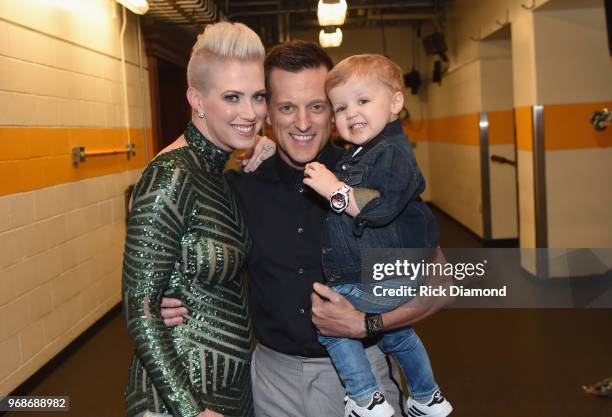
(329, 38)
(136, 6)
(331, 12)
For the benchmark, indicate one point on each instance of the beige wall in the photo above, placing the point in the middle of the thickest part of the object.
(60, 67)
(60, 267)
(455, 173)
(557, 56)
(573, 63)
(574, 67)
(579, 198)
(560, 60)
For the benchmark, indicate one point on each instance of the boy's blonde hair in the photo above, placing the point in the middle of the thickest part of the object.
(363, 66)
(219, 42)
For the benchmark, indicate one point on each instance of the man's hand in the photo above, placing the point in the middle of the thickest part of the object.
(172, 311)
(336, 317)
(264, 148)
(321, 179)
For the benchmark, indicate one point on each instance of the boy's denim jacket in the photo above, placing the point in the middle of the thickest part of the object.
(395, 217)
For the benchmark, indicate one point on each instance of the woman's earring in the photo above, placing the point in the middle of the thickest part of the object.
(201, 114)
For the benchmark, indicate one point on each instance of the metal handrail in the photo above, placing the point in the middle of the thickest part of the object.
(79, 154)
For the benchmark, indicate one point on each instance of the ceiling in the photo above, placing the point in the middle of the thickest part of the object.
(273, 20)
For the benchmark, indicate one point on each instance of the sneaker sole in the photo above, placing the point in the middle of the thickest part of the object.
(441, 413)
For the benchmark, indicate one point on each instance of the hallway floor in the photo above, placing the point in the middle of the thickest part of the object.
(498, 363)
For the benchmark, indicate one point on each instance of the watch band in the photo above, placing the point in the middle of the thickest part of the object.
(373, 324)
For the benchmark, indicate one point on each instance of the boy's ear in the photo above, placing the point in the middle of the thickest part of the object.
(397, 102)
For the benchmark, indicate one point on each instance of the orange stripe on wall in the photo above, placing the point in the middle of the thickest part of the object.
(458, 130)
(568, 126)
(416, 130)
(501, 127)
(33, 158)
(524, 130)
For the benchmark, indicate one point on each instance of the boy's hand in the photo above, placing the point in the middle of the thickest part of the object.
(321, 179)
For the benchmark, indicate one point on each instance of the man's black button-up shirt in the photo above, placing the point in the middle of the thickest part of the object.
(284, 218)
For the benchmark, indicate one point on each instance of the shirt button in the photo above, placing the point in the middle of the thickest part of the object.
(300, 270)
(326, 249)
(302, 311)
(300, 230)
(345, 167)
(301, 190)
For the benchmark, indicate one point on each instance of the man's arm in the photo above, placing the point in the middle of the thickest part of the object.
(338, 318)
(333, 315)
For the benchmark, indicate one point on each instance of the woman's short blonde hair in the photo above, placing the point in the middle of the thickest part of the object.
(219, 42)
(363, 66)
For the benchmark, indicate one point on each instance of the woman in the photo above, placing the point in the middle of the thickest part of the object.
(186, 238)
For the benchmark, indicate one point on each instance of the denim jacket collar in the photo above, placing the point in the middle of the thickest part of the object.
(391, 129)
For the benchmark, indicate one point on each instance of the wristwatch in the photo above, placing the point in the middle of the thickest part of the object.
(339, 199)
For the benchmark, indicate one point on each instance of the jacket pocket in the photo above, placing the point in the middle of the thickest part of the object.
(354, 178)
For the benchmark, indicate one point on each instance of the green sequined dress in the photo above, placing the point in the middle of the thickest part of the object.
(187, 239)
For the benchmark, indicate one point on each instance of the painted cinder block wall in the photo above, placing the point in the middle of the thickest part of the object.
(556, 55)
(61, 226)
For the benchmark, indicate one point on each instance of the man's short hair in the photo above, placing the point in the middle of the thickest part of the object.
(363, 66)
(220, 42)
(295, 56)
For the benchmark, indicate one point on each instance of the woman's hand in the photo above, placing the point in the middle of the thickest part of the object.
(263, 149)
(321, 179)
(209, 413)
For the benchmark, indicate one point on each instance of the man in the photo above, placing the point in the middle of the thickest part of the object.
(291, 372)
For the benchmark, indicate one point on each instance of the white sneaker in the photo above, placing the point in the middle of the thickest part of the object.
(378, 407)
(438, 406)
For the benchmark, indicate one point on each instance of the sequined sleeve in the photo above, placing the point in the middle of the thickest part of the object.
(161, 202)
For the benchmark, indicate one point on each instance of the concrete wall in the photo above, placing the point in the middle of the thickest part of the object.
(62, 226)
(558, 58)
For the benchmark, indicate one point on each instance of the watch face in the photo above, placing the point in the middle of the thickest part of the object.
(338, 201)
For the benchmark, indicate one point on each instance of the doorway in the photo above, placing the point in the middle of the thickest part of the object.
(498, 140)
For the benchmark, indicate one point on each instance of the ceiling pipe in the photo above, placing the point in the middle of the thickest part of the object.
(254, 3)
(207, 8)
(192, 11)
(387, 17)
(314, 9)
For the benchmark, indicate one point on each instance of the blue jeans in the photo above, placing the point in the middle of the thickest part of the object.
(349, 357)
